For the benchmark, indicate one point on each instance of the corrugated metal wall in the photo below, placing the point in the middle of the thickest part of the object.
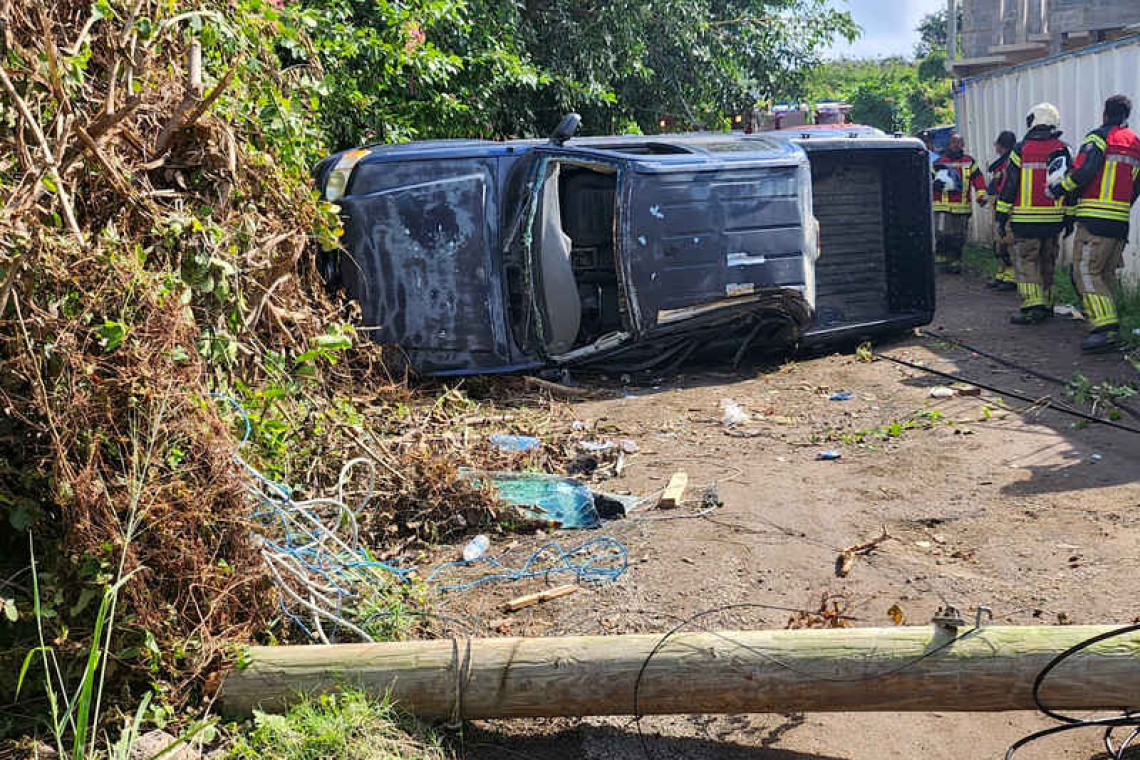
(1077, 83)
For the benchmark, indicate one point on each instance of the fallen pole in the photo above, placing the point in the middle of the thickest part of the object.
(901, 669)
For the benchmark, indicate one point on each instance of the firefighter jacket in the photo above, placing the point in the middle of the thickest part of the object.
(1024, 199)
(956, 200)
(1106, 180)
(996, 171)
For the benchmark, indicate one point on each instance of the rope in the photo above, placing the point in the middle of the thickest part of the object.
(314, 554)
(598, 560)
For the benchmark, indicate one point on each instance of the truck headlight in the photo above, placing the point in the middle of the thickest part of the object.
(337, 182)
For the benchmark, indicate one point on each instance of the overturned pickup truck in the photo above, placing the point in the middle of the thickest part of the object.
(631, 253)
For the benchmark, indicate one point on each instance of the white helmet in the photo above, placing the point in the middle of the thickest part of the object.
(1043, 114)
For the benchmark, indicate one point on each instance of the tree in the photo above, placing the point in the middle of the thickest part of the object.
(932, 32)
(431, 68)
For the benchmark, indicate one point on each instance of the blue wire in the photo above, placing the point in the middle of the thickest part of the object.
(598, 560)
(588, 571)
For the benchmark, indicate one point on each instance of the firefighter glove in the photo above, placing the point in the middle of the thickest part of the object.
(1055, 190)
(1069, 225)
(939, 185)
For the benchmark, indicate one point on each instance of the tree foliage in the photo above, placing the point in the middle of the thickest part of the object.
(442, 68)
(894, 94)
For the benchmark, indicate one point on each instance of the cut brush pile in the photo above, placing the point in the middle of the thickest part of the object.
(155, 254)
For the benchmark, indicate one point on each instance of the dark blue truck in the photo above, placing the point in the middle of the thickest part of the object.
(631, 253)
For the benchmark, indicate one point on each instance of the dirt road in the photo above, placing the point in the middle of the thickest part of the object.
(1027, 513)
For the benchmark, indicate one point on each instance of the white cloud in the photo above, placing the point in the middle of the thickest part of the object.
(888, 26)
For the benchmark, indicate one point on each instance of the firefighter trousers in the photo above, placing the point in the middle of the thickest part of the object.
(950, 231)
(1095, 261)
(1003, 251)
(1034, 260)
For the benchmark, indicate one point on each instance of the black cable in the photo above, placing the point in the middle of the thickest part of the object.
(718, 610)
(1069, 723)
(1021, 368)
(1000, 360)
(1014, 394)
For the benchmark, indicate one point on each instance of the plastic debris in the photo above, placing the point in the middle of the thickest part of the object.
(561, 502)
(476, 548)
(596, 447)
(628, 446)
(733, 413)
(829, 455)
(840, 396)
(942, 391)
(516, 443)
(1066, 310)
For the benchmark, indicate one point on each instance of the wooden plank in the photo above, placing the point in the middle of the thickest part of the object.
(520, 602)
(921, 669)
(675, 491)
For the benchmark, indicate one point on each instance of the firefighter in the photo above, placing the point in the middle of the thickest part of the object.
(1104, 182)
(1004, 279)
(955, 175)
(1032, 213)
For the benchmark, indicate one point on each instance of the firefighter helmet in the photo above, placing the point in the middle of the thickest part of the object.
(951, 180)
(1043, 114)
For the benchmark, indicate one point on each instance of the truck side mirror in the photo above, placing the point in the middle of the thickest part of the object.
(566, 129)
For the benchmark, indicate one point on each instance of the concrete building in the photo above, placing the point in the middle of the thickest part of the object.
(999, 33)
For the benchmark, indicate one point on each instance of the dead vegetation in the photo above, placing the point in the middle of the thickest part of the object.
(156, 251)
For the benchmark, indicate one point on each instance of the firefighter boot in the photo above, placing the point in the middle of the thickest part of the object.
(1006, 280)
(1101, 340)
(1034, 315)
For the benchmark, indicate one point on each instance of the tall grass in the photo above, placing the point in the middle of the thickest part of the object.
(75, 715)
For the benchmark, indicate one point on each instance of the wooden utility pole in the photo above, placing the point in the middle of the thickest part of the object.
(875, 669)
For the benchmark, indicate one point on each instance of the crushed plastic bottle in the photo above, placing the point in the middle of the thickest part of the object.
(475, 548)
(515, 443)
(733, 412)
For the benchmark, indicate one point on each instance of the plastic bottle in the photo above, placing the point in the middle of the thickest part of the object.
(475, 548)
(515, 442)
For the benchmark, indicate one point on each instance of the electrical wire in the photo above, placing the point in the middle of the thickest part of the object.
(1013, 394)
(637, 716)
(1069, 723)
(1020, 368)
(313, 551)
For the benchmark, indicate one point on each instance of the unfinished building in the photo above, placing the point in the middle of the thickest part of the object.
(994, 34)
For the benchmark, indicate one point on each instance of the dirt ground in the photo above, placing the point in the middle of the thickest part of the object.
(1025, 512)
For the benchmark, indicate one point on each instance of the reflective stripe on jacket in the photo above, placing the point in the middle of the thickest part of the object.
(1024, 200)
(1106, 178)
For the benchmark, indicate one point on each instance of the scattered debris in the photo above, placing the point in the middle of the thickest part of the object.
(829, 456)
(476, 548)
(675, 491)
(832, 613)
(518, 603)
(965, 389)
(515, 443)
(840, 396)
(733, 413)
(560, 502)
(896, 614)
(846, 559)
(942, 391)
(1066, 310)
(557, 388)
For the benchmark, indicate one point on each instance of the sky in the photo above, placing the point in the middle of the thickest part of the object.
(888, 26)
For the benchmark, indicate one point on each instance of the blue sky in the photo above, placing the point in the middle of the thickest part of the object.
(888, 26)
